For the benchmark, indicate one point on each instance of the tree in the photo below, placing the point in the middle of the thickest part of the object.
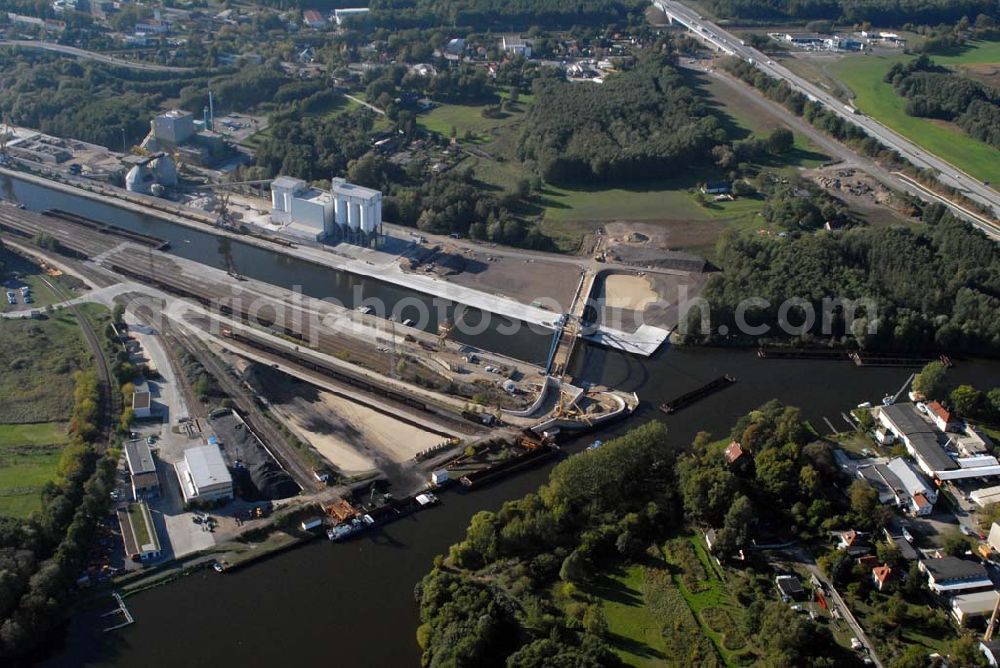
(965, 652)
(735, 530)
(932, 381)
(780, 141)
(574, 568)
(967, 401)
(955, 544)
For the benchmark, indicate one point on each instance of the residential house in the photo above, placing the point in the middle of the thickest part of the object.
(313, 19)
(882, 576)
(515, 46)
(733, 453)
(789, 587)
(941, 416)
(853, 543)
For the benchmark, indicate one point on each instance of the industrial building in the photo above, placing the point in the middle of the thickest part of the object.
(138, 532)
(951, 575)
(203, 475)
(142, 470)
(191, 140)
(174, 127)
(150, 174)
(898, 483)
(969, 607)
(346, 213)
(928, 446)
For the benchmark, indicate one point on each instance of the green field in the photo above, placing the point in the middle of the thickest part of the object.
(469, 119)
(863, 74)
(37, 361)
(634, 632)
(29, 455)
(20, 271)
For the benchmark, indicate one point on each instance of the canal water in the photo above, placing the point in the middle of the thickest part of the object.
(529, 343)
(352, 603)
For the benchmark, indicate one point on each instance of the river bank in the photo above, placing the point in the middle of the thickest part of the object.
(354, 600)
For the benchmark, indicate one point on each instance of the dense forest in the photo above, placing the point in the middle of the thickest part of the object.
(94, 101)
(640, 124)
(936, 92)
(934, 288)
(879, 12)
(502, 14)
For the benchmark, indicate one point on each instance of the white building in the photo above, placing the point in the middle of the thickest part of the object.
(340, 14)
(203, 475)
(346, 212)
(174, 126)
(516, 46)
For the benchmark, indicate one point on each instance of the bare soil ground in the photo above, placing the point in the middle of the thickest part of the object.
(629, 292)
(626, 239)
(861, 192)
(353, 437)
(521, 278)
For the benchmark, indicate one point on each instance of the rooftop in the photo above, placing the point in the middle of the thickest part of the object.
(927, 448)
(140, 399)
(906, 417)
(139, 458)
(206, 466)
(939, 410)
(953, 568)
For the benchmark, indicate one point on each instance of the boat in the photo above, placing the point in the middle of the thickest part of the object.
(686, 399)
(347, 529)
(218, 567)
(408, 322)
(365, 309)
(596, 444)
(426, 499)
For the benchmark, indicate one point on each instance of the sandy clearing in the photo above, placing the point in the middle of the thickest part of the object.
(629, 292)
(355, 438)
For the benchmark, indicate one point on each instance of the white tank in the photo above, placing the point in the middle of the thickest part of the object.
(138, 180)
(165, 170)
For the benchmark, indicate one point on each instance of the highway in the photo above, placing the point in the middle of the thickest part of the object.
(90, 55)
(947, 174)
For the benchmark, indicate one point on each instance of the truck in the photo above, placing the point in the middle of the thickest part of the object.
(851, 109)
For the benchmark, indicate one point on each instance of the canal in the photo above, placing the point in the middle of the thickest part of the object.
(352, 603)
(528, 343)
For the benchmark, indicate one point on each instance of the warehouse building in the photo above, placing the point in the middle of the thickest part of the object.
(142, 470)
(203, 475)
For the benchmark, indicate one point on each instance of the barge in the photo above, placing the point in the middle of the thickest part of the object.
(689, 398)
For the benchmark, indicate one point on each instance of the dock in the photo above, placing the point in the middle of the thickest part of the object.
(120, 610)
(488, 474)
(689, 398)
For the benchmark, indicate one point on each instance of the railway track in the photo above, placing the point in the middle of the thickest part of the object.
(110, 398)
(287, 457)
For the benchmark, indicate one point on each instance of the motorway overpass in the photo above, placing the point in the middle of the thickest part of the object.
(948, 174)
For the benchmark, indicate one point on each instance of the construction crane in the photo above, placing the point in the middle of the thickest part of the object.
(993, 621)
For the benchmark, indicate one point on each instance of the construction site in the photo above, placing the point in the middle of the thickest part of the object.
(332, 394)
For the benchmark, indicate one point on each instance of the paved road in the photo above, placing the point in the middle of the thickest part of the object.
(948, 174)
(90, 55)
(802, 556)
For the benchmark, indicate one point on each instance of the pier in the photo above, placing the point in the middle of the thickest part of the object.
(120, 610)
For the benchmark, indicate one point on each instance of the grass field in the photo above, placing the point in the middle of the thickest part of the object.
(22, 271)
(37, 361)
(863, 74)
(29, 455)
(634, 632)
(468, 119)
